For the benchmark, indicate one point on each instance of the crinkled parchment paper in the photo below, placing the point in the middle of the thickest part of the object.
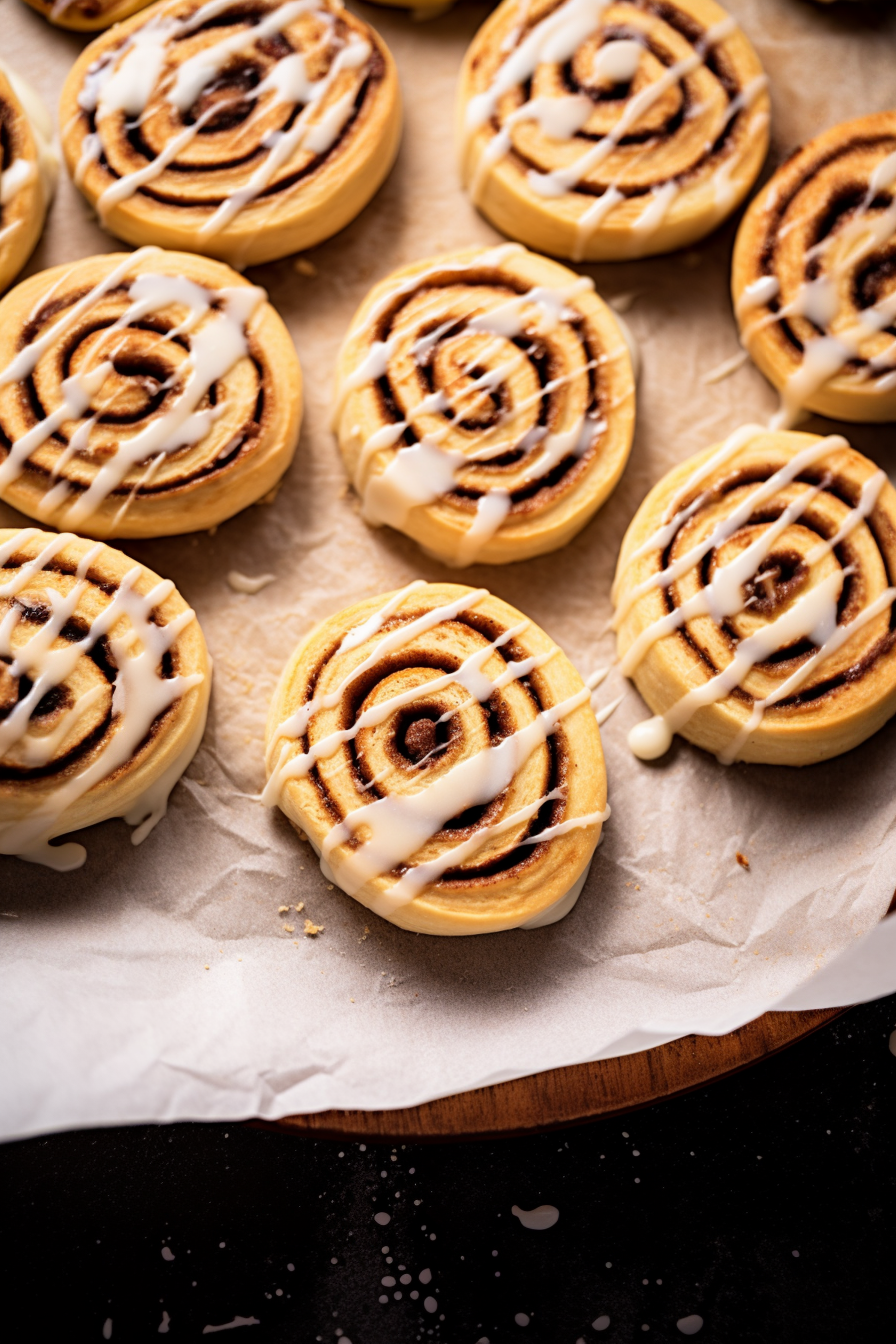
(157, 983)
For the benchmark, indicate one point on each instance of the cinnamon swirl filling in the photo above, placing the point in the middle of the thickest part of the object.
(755, 600)
(143, 394)
(241, 130)
(485, 404)
(442, 756)
(598, 129)
(104, 684)
(814, 275)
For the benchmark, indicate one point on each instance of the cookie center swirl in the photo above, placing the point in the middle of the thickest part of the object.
(224, 108)
(420, 739)
(88, 672)
(818, 254)
(602, 104)
(144, 384)
(430, 748)
(776, 582)
(489, 396)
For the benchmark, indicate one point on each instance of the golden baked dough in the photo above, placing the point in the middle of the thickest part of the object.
(421, 9)
(449, 735)
(485, 404)
(143, 394)
(244, 133)
(603, 131)
(104, 686)
(814, 275)
(28, 168)
(754, 600)
(86, 16)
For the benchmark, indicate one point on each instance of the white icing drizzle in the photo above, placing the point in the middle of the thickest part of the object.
(725, 369)
(555, 40)
(393, 828)
(218, 343)
(813, 614)
(139, 695)
(127, 80)
(819, 300)
(427, 470)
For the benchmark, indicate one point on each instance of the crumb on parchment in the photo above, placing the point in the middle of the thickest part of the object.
(311, 929)
(283, 910)
(304, 266)
(299, 908)
(289, 928)
(743, 860)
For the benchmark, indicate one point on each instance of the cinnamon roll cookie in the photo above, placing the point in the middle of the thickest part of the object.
(28, 168)
(485, 404)
(244, 132)
(86, 16)
(442, 756)
(814, 276)
(755, 600)
(143, 394)
(606, 129)
(104, 686)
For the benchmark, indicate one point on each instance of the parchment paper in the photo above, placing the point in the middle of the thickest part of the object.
(157, 983)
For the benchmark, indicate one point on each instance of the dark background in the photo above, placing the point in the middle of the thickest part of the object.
(763, 1203)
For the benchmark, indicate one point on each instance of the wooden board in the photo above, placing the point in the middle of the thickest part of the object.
(572, 1095)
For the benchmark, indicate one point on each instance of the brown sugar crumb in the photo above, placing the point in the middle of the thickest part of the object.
(743, 860)
(283, 910)
(330, 886)
(311, 930)
(299, 908)
(289, 928)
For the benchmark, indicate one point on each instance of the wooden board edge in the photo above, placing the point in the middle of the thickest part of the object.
(574, 1095)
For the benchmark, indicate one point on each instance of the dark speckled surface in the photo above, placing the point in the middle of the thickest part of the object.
(764, 1204)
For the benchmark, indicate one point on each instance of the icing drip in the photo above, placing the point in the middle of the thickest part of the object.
(135, 78)
(393, 828)
(139, 694)
(554, 41)
(245, 583)
(812, 615)
(216, 322)
(428, 469)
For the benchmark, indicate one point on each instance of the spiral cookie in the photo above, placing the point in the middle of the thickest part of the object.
(814, 276)
(104, 685)
(754, 600)
(244, 132)
(28, 168)
(599, 130)
(485, 404)
(86, 16)
(143, 394)
(441, 754)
